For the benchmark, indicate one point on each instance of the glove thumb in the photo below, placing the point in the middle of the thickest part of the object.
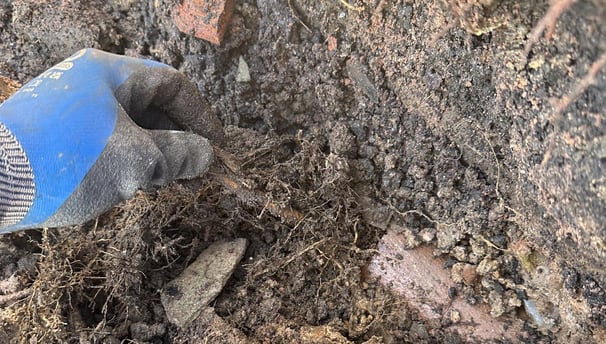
(185, 155)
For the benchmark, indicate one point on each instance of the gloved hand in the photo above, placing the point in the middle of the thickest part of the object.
(73, 143)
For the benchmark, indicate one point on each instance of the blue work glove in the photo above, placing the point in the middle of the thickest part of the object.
(91, 131)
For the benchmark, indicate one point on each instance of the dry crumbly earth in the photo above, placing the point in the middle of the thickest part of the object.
(425, 116)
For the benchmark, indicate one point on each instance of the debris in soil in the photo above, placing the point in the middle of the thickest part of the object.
(422, 280)
(206, 19)
(187, 295)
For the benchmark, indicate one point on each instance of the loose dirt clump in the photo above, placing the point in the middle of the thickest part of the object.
(429, 120)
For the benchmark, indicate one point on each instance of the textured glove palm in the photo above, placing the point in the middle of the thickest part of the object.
(73, 143)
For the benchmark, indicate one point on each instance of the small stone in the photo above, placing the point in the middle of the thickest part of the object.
(390, 161)
(185, 297)
(356, 73)
(513, 301)
(331, 43)
(448, 236)
(459, 253)
(427, 234)
(465, 273)
(487, 265)
(497, 308)
(243, 72)
(410, 239)
(455, 316)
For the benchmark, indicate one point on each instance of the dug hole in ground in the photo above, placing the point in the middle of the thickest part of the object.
(403, 171)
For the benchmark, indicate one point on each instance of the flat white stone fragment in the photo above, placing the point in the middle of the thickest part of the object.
(185, 297)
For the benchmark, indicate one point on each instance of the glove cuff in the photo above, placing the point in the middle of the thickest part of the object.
(17, 188)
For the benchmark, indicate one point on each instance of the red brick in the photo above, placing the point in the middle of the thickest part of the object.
(206, 19)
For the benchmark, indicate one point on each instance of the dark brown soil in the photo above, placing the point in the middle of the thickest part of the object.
(351, 120)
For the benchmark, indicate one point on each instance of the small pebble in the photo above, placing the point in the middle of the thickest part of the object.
(243, 72)
(455, 316)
